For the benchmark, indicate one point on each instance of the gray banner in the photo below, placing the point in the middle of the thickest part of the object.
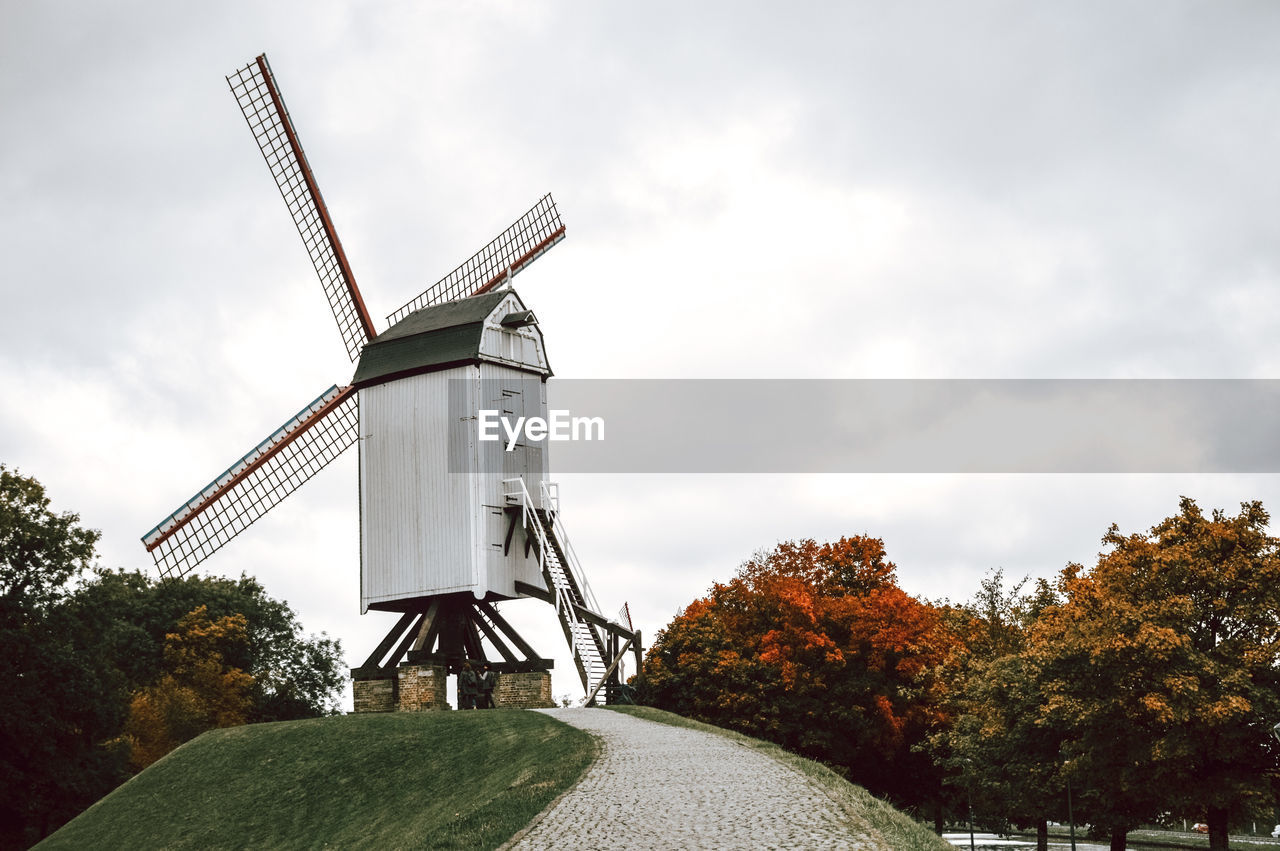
(906, 426)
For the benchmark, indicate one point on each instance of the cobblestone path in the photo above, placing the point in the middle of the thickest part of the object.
(655, 786)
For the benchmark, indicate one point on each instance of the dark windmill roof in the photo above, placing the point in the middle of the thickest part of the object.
(434, 338)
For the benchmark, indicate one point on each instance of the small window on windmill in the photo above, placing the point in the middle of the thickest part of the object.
(514, 342)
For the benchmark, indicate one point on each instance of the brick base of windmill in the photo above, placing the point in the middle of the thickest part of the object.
(435, 636)
(419, 688)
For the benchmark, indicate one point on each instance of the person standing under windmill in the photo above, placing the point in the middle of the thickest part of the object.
(468, 687)
(488, 681)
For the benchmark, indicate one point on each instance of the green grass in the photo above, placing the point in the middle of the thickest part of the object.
(889, 828)
(399, 780)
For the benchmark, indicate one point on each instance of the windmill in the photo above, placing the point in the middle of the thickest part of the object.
(450, 526)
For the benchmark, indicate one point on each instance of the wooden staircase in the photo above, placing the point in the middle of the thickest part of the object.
(593, 638)
(584, 638)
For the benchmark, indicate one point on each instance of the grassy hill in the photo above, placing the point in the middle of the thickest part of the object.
(403, 780)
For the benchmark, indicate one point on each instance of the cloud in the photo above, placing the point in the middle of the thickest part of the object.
(865, 190)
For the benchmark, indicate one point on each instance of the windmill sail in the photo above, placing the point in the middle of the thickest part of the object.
(256, 483)
(264, 109)
(510, 252)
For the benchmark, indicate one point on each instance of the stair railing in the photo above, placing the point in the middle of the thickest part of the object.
(516, 489)
(550, 493)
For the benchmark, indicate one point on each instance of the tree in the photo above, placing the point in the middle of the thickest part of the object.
(1162, 667)
(997, 747)
(76, 651)
(58, 708)
(39, 551)
(199, 690)
(816, 648)
(130, 615)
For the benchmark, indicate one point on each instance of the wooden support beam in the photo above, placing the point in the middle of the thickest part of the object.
(601, 621)
(535, 591)
(471, 637)
(613, 654)
(494, 638)
(375, 658)
(639, 651)
(612, 667)
(429, 628)
(403, 647)
(452, 628)
(432, 624)
(511, 529)
(507, 630)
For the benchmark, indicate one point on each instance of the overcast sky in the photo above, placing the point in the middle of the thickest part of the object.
(852, 190)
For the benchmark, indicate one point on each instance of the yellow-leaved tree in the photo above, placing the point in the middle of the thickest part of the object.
(1160, 672)
(198, 691)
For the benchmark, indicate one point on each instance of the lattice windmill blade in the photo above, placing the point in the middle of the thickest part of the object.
(259, 98)
(256, 483)
(509, 253)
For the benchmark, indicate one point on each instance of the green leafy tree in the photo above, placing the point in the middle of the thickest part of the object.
(75, 651)
(39, 551)
(59, 708)
(294, 675)
(999, 753)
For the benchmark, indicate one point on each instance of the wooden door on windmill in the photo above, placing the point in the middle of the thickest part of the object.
(524, 459)
(504, 461)
(515, 399)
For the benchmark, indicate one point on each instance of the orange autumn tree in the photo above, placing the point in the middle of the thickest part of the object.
(199, 690)
(1161, 669)
(814, 647)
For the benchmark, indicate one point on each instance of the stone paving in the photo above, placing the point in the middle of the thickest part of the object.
(655, 786)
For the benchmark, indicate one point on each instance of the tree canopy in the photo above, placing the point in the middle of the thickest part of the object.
(57, 712)
(294, 675)
(998, 753)
(104, 670)
(198, 691)
(815, 647)
(1146, 684)
(40, 552)
(1162, 669)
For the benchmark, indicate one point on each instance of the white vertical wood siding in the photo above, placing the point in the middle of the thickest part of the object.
(416, 519)
(518, 394)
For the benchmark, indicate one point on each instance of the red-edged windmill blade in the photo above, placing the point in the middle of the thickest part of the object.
(509, 252)
(259, 98)
(328, 426)
(255, 484)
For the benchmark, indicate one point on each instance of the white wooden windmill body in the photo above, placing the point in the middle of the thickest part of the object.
(450, 524)
(433, 502)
